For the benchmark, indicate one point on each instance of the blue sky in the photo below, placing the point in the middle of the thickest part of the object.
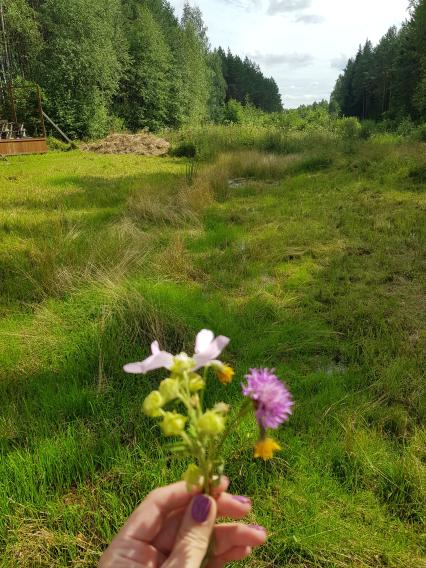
(303, 44)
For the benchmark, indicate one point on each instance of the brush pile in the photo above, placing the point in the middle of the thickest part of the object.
(142, 144)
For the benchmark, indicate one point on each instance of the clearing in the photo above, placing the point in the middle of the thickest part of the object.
(312, 263)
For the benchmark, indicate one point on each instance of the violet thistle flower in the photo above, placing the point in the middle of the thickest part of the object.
(272, 400)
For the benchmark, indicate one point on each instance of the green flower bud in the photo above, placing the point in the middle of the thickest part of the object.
(169, 389)
(211, 423)
(181, 364)
(173, 424)
(153, 403)
(196, 383)
(193, 477)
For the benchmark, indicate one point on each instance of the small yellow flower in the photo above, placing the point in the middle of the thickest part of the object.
(173, 424)
(152, 405)
(211, 423)
(225, 374)
(169, 389)
(196, 382)
(193, 477)
(182, 364)
(265, 449)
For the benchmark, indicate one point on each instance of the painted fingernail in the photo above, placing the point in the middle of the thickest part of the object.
(200, 508)
(242, 499)
(258, 528)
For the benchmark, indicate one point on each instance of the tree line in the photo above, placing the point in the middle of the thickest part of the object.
(387, 81)
(106, 64)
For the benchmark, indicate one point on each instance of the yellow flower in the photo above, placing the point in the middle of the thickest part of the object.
(196, 383)
(211, 423)
(182, 364)
(169, 389)
(225, 374)
(265, 449)
(193, 477)
(153, 403)
(173, 424)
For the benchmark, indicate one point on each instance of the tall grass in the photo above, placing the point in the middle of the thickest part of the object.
(310, 259)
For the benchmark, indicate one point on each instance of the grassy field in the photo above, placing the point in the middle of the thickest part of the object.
(311, 261)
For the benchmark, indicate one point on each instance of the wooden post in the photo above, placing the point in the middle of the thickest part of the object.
(73, 145)
(12, 102)
(40, 110)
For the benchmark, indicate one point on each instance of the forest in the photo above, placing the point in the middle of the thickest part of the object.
(110, 64)
(388, 81)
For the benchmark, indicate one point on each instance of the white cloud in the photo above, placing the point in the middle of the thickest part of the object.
(339, 62)
(309, 19)
(283, 6)
(290, 59)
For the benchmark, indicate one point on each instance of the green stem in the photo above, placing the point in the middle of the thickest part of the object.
(245, 409)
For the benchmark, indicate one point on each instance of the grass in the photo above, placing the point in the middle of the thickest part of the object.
(312, 262)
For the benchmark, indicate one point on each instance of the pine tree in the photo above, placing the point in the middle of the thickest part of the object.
(145, 90)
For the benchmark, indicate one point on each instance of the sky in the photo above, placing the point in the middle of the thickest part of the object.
(303, 44)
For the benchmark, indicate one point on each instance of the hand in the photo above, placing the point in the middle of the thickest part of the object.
(172, 528)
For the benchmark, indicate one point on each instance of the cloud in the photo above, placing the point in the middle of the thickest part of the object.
(309, 19)
(290, 59)
(283, 6)
(339, 62)
(245, 4)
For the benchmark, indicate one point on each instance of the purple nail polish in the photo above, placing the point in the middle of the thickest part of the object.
(242, 499)
(258, 528)
(200, 508)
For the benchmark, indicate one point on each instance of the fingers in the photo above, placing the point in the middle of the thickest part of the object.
(235, 507)
(194, 535)
(128, 553)
(147, 521)
(230, 536)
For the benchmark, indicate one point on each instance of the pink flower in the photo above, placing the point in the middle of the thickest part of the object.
(207, 348)
(272, 400)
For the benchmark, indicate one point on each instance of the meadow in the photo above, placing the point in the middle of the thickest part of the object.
(307, 250)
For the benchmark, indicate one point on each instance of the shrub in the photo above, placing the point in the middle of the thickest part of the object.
(419, 134)
(184, 150)
(349, 128)
(368, 127)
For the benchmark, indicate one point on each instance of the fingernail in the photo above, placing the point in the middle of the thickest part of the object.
(200, 508)
(258, 528)
(242, 499)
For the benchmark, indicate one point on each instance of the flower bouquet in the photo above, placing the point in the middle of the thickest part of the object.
(200, 432)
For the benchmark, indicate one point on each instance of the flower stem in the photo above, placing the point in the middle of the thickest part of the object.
(244, 409)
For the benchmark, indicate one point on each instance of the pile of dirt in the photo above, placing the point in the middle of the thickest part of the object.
(142, 144)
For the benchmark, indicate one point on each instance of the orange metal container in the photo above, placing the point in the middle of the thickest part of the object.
(16, 146)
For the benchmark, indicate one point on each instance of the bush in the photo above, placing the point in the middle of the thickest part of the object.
(184, 150)
(368, 128)
(349, 128)
(57, 145)
(419, 133)
(406, 127)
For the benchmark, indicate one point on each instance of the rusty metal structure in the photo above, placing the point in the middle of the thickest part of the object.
(22, 127)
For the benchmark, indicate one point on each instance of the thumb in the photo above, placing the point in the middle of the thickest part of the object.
(193, 539)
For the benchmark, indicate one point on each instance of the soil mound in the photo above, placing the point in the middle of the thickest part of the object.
(143, 144)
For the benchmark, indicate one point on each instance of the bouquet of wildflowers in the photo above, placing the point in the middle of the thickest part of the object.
(200, 432)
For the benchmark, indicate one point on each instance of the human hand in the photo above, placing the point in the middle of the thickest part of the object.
(172, 528)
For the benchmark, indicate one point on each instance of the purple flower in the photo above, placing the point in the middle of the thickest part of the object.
(271, 398)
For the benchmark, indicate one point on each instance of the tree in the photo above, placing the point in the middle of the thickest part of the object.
(22, 41)
(81, 63)
(145, 89)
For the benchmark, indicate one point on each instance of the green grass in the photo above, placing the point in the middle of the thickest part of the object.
(312, 263)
